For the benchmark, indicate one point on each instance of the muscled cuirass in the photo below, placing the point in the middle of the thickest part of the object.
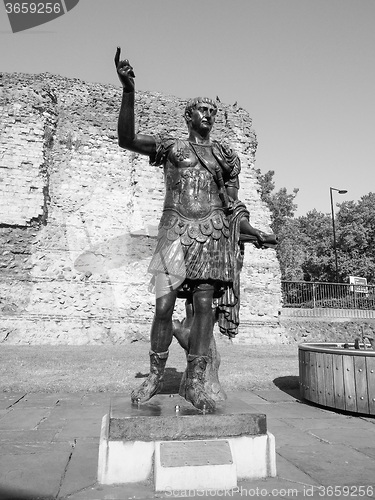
(191, 187)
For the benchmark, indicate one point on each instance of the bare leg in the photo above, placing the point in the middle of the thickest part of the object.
(161, 330)
(161, 338)
(203, 324)
(199, 342)
(212, 384)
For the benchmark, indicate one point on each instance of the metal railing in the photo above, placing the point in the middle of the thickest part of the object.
(310, 295)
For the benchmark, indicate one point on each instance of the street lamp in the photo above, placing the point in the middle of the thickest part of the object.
(340, 191)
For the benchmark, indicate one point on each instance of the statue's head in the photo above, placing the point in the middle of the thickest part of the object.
(200, 112)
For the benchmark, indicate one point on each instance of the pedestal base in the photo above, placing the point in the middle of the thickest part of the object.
(183, 448)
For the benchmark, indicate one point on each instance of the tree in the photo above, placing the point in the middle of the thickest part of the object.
(316, 236)
(282, 207)
(281, 203)
(355, 242)
(306, 249)
(290, 251)
(356, 238)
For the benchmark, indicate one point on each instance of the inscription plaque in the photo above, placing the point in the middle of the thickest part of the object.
(195, 453)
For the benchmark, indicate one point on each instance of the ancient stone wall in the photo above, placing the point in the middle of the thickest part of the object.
(78, 215)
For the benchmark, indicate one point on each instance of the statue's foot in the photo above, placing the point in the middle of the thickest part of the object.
(154, 382)
(151, 386)
(195, 383)
(215, 391)
(198, 397)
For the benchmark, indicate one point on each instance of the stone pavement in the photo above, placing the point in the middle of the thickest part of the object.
(49, 450)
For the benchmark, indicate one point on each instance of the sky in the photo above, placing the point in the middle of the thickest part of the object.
(303, 69)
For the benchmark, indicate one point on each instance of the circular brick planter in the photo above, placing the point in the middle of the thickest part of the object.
(338, 377)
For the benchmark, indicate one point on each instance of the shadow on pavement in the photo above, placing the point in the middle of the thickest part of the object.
(7, 494)
(289, 385)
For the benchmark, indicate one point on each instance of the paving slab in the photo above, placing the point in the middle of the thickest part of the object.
(37, 400)
(101, 398)
(273, 422)
(369, 451)
(28, 436)
(331, 465)
(8, 399)
(23, 418)
(262, 488)
(19, 494)
(288, 471)
(116, 492)
(277, 396)
(59, 416)
(3, 413)
(250, 397)
(95, 411)
(355, 438)
(370, 420)
(37, 470)
(81, 472)
(288, 435)
(67, 400)
(259, 488)
(292, 409)
(75, 428)
(25, 448)
(271, 488)
(340, 421)
(50, 450)
(287, 410)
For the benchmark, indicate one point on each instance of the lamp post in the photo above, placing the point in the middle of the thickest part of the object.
(340, 191)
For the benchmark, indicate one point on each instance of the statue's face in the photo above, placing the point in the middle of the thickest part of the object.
(202, 117)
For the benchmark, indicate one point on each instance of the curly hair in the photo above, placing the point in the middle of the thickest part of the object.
(192, 103)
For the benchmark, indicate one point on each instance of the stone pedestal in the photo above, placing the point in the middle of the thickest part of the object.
(181, 447)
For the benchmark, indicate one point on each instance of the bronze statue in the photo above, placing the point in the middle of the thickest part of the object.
(198, 255)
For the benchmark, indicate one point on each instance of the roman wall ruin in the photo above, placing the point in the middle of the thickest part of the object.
(78, 215)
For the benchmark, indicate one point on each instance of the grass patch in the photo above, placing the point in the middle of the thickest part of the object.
(121, 368)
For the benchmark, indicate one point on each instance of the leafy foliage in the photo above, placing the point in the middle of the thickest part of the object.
(306, 248)
(281, 204)
(316, 230)
(356, 237)
(290, 251)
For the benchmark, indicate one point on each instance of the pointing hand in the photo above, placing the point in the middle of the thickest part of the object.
(125, 72)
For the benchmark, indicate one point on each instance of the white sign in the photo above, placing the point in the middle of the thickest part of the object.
(360, 284)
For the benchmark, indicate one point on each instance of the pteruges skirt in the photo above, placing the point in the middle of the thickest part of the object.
(194, 250)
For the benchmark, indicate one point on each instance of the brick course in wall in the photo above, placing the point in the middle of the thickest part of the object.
(78, 215)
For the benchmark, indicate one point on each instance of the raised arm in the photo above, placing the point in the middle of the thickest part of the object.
(127, 138)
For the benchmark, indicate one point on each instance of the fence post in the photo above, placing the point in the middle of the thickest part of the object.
(314, 304)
